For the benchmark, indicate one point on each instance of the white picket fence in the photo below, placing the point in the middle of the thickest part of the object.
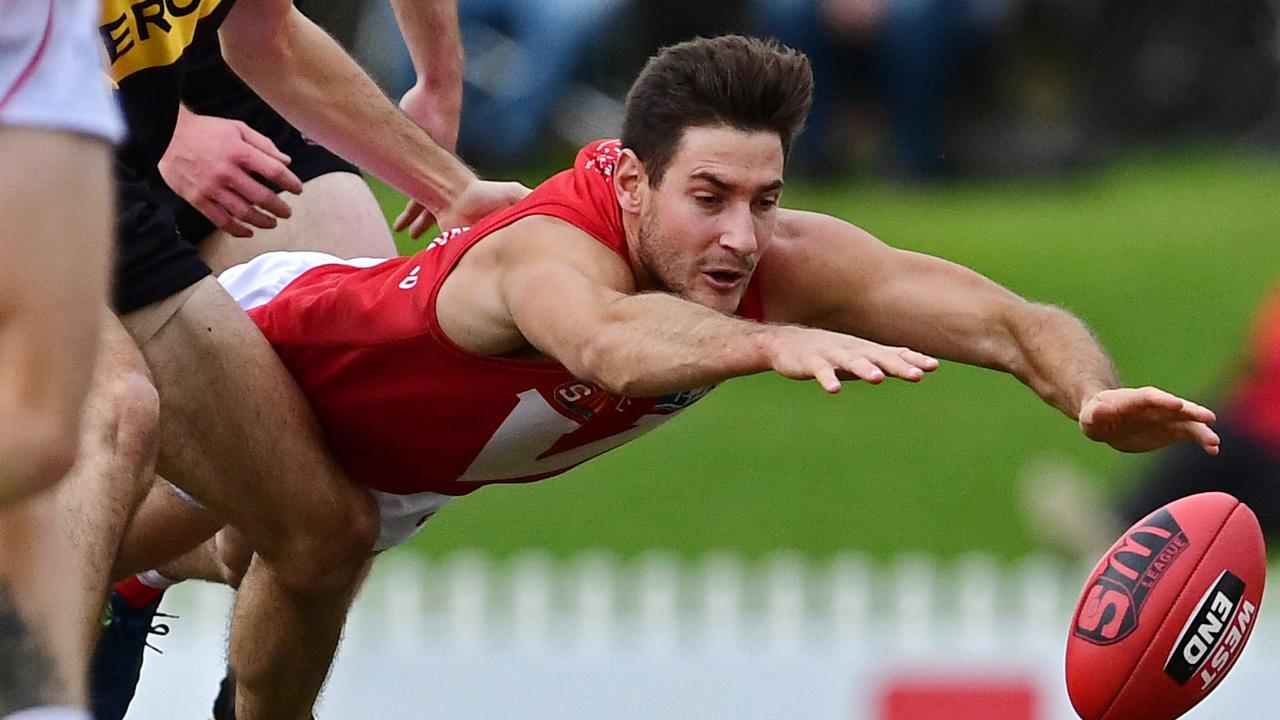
(655, 637)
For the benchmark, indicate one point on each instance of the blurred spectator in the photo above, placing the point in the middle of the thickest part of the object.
(907, 52)
(521, 57)
(1064, 504)
(994, 87)
(525, 61)
(1181, 68)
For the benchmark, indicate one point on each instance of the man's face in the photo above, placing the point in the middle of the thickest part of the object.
(705, 226)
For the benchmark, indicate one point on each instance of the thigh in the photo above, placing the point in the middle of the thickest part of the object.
(335, 214)
(54, 243)
(236, 432)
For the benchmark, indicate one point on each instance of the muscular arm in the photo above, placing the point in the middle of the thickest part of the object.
(834, 275)
(828, 273)
(306, 76)
(430, 29)
(560, 291)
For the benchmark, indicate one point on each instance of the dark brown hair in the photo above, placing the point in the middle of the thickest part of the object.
(745, 83)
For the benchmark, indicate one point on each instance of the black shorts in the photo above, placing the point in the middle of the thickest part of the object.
(158, 230)
(154, 261)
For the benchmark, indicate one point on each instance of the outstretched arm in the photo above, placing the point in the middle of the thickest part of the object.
(310, 80)
(431, 32)
(826, 272)
(571, 298)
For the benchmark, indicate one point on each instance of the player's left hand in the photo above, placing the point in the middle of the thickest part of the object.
(479, 198)
(1148, 418)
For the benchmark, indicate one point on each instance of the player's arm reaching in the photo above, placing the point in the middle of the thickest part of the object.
(828, 273)
(310, 80)
(568, 296)
(431, 32)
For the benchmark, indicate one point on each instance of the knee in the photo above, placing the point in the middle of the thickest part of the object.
(129, 432)
(328, 554)
(134, 406)
(232, 555)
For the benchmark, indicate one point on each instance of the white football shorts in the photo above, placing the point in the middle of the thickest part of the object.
(254, 283)
(51, 68)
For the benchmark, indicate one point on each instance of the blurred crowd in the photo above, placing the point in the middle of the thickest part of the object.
(908, 89)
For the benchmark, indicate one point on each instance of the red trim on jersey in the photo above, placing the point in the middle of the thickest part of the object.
(30, 69)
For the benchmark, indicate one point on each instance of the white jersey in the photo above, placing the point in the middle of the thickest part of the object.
(51, 68)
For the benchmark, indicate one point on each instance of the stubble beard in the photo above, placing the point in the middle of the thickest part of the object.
(659, 256)
(654, 253)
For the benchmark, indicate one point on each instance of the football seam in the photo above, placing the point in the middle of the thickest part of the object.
(1174, 604)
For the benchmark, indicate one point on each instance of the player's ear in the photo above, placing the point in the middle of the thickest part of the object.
(629, 181)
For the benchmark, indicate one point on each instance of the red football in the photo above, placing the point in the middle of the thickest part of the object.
(1167, 611)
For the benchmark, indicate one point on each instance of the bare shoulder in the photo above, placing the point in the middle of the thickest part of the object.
(814, 262)
(804, 236)
(542, 241)
(536, 261)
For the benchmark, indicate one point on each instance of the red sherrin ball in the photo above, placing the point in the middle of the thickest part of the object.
(1167, 611)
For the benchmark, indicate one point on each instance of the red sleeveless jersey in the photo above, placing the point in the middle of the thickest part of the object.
(406, 410)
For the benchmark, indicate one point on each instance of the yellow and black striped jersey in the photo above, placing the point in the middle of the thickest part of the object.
(147, 44)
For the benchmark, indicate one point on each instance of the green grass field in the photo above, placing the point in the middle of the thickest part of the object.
(1164, 257)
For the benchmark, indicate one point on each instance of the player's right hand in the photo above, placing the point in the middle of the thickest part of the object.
(1145, 419)
(219, 166)
(801, 353)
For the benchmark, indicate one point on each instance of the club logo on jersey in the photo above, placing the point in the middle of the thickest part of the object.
(1133, 568)
(141, 34)
(1213, 633)
(584, 400)
(604, 160)
(681, 400)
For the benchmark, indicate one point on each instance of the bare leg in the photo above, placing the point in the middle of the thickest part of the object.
(336, 213)
(40, 662)
(165, 526)
(238, 435)
(222, 559)
(49, 314)
(53, 270)
(114, 468)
